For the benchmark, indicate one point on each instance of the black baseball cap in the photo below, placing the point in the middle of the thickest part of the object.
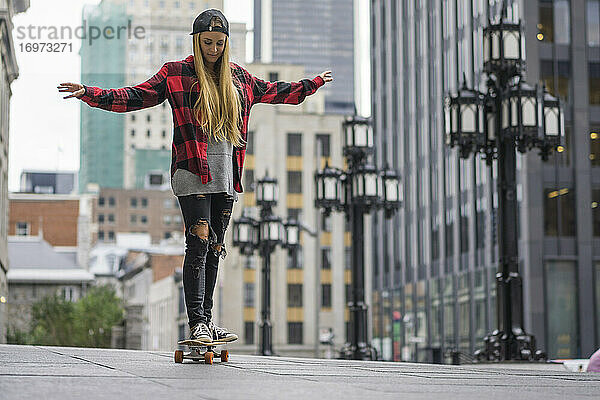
(202, 22)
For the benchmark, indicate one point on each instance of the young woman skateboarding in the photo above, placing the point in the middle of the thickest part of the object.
(211, 100)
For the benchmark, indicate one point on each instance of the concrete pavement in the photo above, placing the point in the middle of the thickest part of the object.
(38, 372)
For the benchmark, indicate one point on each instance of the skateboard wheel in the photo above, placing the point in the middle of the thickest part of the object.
(178, 356)
(224, 356)
(208, 357)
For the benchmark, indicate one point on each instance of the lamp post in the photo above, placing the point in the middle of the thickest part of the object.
(356, 192)
(510, 116)
(264, 234)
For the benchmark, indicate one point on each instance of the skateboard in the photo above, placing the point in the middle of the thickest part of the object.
(201, 351)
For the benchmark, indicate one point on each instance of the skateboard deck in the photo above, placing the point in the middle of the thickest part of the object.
(201, 351)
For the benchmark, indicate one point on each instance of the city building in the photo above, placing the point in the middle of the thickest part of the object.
(151, 287)
(56, 215)
(136, 211)
(318, 34)
(127, 150)
(37, 270)
(9, 71)
(282, 141)
(434, 269)
(48, 182)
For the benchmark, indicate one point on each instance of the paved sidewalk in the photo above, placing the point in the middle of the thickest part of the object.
(37, 372)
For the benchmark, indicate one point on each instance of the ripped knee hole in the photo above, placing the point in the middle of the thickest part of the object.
(200, 229)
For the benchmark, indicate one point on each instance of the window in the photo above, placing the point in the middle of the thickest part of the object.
(100, 201)
(148, 133)
(133, 117)
(248, 332)
(294, 295)
(101, 236)
(248, 294)
(133, 202)
(133, 133)
(100, 218)
(249, 180)
(167, 203)
(326, 222)
(554, 23)
(294, 144)
(593, 23)
(323, 140)
(559, 212)
(295, 257)
(596, 212)
(164, 133)
(347, 257)
(294, 181)
(111, 201)
(249, 262)
(559, 87)
(562, 22)
(133, 219)
(167, 219)
(595, 147)
(273, 76)
(294, 332)
(294, 213)
(250, 142)
(23, 229)
(326, 295)
(561, 309)
(68, 293)
(167, 235)
(144, 219)
(144, 202)
(326, 258)
(594, 82)
(111, 236)
(111, 218)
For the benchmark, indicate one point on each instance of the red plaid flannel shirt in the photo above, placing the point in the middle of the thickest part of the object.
(173, 82)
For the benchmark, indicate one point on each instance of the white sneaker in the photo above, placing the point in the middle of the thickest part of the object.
(201, 333)
(221, 334)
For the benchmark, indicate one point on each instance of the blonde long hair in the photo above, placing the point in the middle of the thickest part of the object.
(218, 107)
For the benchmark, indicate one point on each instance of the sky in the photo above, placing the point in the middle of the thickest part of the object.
(44, 127)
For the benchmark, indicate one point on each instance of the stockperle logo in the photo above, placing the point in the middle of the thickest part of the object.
(84, 32)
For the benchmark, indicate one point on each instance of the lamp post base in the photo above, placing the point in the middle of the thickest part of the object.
(266, 348)
(500, 346)
(361, 352)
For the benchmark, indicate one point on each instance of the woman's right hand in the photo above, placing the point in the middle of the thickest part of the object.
(75, 88)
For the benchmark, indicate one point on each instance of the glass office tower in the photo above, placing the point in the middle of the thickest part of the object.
(434, 263)
(318, 34)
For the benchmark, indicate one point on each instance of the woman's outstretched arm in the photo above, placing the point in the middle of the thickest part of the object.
(129, 98)
(286, 92)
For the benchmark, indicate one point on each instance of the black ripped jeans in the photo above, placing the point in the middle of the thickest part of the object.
(201, 260)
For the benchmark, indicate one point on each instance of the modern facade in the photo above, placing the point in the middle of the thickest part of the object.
(318, 34)
(9, 72)
(123, 150)
(434, 267)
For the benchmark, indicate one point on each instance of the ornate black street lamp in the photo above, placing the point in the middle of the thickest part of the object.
(515, 116)
(356, 192)
(265, 234)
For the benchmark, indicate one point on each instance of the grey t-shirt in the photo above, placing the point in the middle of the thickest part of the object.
(219, 156)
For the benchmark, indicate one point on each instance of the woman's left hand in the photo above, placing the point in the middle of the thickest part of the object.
(326, 76)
